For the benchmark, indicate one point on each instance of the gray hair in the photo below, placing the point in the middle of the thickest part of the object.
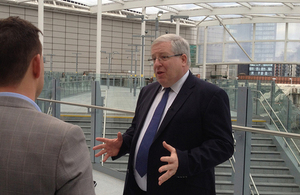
(179, 44)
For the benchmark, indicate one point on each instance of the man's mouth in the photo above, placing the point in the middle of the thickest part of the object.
(159, 72)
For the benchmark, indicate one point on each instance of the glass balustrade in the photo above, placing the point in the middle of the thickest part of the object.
(273, 160)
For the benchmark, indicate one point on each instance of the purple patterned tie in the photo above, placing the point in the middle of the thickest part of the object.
(142, 155)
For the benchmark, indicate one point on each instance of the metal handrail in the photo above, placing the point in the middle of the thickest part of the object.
(87, 106)
(235, 127)
(266, 132)
(104, 123)
(253, 183)
(273, 112)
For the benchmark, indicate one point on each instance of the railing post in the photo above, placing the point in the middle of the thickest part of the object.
(258, 88)
(272, 98)
(108, 81)
(243, 142)
(288, 114)
(96, 118)
(236, 85)
(55, 96)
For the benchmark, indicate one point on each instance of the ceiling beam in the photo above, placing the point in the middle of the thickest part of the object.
(245, 5)
(248, 21)
(118, 1)
(289, 5)
(152, 3)
(205, 6)
(167, 8)
(242, 11)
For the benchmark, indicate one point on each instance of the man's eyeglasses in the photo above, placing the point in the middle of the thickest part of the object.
(163, 58)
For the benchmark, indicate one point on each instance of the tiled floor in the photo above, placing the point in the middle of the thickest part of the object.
(107, 185)
(115, 97)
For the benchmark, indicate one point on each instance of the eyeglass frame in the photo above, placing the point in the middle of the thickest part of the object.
(163, 58)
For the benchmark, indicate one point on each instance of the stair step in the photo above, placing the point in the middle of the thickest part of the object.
(224, 192)
(265, 154)
(273, 178)
(269, 167)
(276, 193)
(277, 187)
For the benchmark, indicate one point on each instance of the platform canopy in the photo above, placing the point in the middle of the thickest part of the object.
(199, 12)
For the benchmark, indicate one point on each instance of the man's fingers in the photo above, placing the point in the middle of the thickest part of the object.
(172, 164)
(166, 168)
(164, 177)
(167, 159)
(168, 147)
(98, 147)
(120, 138)
(101, 139)
(99, 153)
(106, 157)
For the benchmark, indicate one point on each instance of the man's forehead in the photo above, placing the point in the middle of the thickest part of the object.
(161, 47)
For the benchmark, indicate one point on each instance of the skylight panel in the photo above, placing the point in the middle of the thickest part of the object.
(183, 7)
(230, 16)
(149, 10)
(264, 4)
(93, 2)
(223, 4)
(199, 18)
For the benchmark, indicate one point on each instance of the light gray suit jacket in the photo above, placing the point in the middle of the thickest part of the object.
(40, 154)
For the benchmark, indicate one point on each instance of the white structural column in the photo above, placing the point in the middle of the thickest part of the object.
(177, 26)
(204, 52)
(98, 48)
(142, 52)
(41, 20)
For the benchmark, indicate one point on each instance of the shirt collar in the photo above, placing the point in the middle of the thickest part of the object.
(17, 95)
(177, 86)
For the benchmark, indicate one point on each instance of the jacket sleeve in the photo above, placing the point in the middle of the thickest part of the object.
(74, 168)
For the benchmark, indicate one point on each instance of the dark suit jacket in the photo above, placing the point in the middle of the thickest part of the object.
(197, 124)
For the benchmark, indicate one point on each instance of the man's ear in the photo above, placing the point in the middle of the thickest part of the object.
(36, 66)
(184, 59)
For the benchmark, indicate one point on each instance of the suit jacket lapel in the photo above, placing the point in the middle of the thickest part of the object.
(185, 91)
(146, 103)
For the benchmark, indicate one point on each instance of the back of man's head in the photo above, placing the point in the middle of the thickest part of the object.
(19, 43)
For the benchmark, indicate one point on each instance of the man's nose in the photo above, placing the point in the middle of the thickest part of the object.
(156, 61)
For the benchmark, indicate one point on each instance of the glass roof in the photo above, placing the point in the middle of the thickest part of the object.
(200, 12)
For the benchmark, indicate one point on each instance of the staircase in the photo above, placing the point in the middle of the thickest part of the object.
(268, 169)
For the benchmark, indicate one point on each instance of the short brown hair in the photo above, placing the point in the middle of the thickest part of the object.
(19, 43)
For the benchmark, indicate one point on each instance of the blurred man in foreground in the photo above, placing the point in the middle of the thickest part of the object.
(37, 150)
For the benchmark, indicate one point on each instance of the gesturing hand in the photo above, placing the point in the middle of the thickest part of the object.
(171, 167)
(110, 146)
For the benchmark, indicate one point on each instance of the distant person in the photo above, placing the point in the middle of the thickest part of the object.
(198, 76)
(37, 150)
(151, 80)
(181, 129)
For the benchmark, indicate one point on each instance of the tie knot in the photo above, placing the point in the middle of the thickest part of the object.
(167, 89)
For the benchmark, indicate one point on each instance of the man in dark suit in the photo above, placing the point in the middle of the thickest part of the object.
(194, 134)
(39, 154)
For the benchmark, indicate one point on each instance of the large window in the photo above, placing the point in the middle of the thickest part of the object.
(263, 43)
